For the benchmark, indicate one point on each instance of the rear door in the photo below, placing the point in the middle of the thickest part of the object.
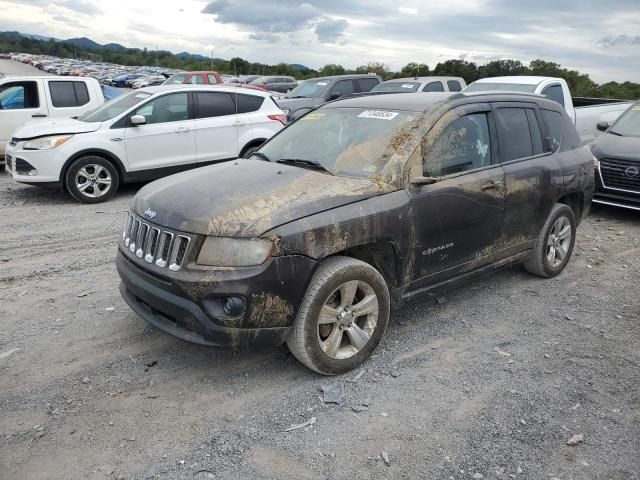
(458, 220)
(20, 102)
(532, 173)
(216, 126)
(168, 139)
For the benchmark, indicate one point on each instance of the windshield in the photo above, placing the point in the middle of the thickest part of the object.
(397, 87)
(500, 87)
(349, 141)
(175, 80)
(114, 108)
(628, 125)
(309, 89)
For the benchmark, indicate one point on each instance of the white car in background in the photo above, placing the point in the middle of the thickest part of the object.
(146, 134)
(586, 113)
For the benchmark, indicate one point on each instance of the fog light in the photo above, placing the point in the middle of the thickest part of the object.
(233, 306)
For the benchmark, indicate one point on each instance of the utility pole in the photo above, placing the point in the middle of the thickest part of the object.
(156, 54)
(211, 57)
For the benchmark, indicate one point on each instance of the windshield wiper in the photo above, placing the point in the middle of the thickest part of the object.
(615, 133)
(300, 162)
(260, 155)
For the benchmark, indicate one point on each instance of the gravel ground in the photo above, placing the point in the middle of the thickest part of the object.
(490, 379)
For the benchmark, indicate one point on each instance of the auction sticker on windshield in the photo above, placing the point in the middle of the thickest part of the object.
(379, 114)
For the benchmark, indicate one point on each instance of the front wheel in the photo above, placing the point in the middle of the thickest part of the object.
(92, 179)
(554, 244)
(342, 318)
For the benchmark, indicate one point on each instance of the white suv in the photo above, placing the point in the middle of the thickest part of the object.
(143, 135)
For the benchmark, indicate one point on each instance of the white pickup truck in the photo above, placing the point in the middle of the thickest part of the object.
(25, 99)
(586, 113)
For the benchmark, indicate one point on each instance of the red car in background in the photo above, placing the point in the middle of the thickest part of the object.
(195, 78)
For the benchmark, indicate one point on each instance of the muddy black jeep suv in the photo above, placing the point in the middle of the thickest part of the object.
(359, 205)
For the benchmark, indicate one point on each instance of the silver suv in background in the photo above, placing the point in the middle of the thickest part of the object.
(421, 84)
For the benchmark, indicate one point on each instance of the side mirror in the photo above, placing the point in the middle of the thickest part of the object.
(417, 181)
(603, 126)
(137, 120)
(333, 96)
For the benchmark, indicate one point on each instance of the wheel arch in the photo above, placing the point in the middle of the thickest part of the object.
(575, 201)
(256, 142)
(109, 156)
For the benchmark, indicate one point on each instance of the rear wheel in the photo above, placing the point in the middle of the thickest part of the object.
(554, 244)
(92, 179)
(342, 318)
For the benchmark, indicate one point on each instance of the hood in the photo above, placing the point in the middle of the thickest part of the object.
(609, 145)
(245, 198)
(59, 126)
(293, 104)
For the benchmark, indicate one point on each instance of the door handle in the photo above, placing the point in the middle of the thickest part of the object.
(182, 130)
(491, 184)
(239, 124)
(38, 115)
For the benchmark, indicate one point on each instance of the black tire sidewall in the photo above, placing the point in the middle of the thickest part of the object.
(319, 358)
(561, 211)
(88, 160)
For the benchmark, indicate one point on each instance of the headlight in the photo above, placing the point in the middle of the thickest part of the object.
(46, 143)
(234, 252)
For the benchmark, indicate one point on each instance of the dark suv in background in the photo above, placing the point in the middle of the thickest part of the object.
(313, 93)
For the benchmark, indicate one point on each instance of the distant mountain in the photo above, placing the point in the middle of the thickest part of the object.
(191, 56)
(300, 68)
(83, 42)
(115, 46)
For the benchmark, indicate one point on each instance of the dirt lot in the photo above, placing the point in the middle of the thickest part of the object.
(491, 379)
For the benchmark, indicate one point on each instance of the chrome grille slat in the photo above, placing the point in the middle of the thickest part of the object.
(613, 175)
(154, 245)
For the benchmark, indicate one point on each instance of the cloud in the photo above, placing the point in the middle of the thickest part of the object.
(617, 40)
(330, 31)
(85, 7)
(263, 16)
(265, 37)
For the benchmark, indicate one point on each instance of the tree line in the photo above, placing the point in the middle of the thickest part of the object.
(581, 85)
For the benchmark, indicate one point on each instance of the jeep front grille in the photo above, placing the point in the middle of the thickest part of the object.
(154, 245)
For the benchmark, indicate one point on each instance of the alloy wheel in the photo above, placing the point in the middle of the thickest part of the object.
(93, 180)
(348, 319)
(559, 241)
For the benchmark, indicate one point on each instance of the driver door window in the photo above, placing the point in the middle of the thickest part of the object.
(342, 87)
(168, 108)
(464, 144)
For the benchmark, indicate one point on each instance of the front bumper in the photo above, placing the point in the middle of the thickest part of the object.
(34, 167)
(186, 304)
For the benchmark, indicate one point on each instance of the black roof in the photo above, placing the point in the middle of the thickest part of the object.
(420, 102)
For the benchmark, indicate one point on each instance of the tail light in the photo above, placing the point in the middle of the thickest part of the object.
(279, 118)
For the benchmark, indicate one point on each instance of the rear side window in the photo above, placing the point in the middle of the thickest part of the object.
(19, 96)
(366, 84)
(197, 80)
(212, 79)
(433, 87)
(553, 121)
(249, 103)
(513, 133)
(68, 94)
(554, 92)
(454, 85)
(214, 104)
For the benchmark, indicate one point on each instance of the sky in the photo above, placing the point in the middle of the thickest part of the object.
(601, 38)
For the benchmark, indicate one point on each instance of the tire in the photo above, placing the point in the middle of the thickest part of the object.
(92, 173)
(553, 249)
(314, 344)
(248, 151)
